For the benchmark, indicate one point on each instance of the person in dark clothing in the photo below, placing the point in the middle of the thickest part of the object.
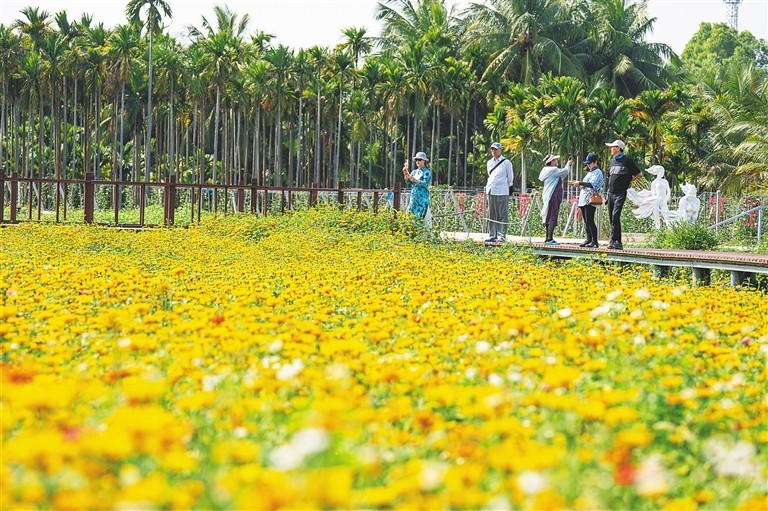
(622, 171)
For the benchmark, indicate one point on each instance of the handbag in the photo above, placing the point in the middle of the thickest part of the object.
(595, 199)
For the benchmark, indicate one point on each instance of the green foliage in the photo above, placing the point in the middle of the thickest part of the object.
(717, 45)
(327, 219)
(684, 236)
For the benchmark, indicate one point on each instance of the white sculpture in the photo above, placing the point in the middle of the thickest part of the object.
(688, 208)
(653, 202)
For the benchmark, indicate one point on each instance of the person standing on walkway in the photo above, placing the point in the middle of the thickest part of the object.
(500, 178)
(622, 171)
(592, 183)
(552, 177)
(420, 177)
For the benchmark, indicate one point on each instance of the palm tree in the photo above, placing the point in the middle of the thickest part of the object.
(628, 62)
(527, 38)
(36, 26)
(651, 108)
(222, 45)
(10, 46)
(343, 70)
(281, 59)
(357, 44)
(124, 46)
(156, 10)
(319, 56)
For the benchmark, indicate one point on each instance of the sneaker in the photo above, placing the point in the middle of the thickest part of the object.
(500, 240)
(618, 246)
(585, 244)
(594, 244)
(491, 240)
(551, 242)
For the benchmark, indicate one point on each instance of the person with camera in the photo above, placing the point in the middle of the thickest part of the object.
(590, 185)
(500, 178)
(552, 195)
(622, 171)
(420, 177)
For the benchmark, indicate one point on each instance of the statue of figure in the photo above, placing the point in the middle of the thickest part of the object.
(688, 208)
(653, 202)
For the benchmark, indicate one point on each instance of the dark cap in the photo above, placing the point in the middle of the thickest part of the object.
(591, 158)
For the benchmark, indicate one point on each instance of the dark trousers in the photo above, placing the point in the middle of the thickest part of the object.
(615, 204)
(588, 213)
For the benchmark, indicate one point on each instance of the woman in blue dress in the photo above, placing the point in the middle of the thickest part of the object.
(421, 176)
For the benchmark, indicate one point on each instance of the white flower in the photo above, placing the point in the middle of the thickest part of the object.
(613, 295)
(305, 442)
(652, 478)
(642, 293)
(531, 482)
(482, 346)
(431, 476)
(286, 457)
(495, 380)
(311, 440)
(211, 381)
(288, 371)
(565, 312)
(275, 346)
(732, 460)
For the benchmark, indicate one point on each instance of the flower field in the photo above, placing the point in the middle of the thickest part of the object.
(338, 360)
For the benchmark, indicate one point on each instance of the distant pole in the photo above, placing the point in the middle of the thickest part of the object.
(732, 13)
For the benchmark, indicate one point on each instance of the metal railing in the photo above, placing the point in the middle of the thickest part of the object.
(759, 210)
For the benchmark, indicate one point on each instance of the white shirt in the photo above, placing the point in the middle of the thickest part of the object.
(500, 179)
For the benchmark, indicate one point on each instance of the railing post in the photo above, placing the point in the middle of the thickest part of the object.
(313, 195)
(2, 195)
(170, 200)
(241, 197)
(254, 195)
(88, 198)
(396, 197)
(375, 202)
(360, 200)
(340, 196)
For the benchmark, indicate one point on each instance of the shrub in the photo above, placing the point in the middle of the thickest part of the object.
(684, 236)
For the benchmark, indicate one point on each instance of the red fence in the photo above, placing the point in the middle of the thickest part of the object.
(260, 198)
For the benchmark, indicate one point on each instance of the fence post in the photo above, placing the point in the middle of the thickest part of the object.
(241, 197)
(313, 195)
(375, 202)
(2, 195)
(340, 196)
(170, 200)
(88, 198)
(254, 195)
(396, 197)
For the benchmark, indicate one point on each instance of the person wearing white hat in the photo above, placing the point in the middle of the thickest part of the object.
(552, 177)
(421, 176)
(622, 171)
(500, 178)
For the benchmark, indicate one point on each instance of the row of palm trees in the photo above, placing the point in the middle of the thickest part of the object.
(227, 105)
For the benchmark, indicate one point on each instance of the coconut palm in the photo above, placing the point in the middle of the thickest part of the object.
(628, 62)
(527, 38)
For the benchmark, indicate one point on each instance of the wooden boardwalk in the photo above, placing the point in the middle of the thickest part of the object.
(742, 266)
